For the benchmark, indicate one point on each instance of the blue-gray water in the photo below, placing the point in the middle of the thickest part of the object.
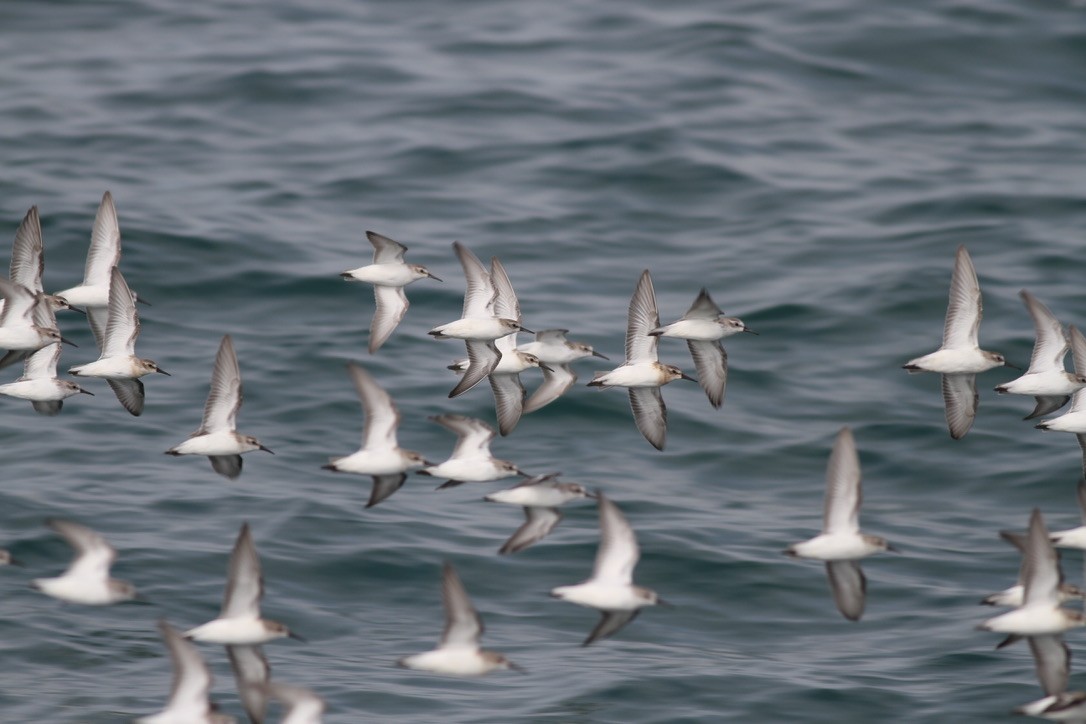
(813, 164)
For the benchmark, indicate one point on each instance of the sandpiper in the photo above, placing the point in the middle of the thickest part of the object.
(960, 357)
(217, 437)
(239, 622)
(841, 544)
(1014, 596)
(28, 260)
(118, 362)
(25, 323)
(40, 383)
(552, 349)
(458, 652)
(87, 579)
(1074, 420)
(703, 326)
(610, 589)
(388, 274)
(540, 497)
(471, 460)
(380, 455)
(642, 373)
(104, 254)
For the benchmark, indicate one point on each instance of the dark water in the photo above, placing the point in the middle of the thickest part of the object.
(814, 165)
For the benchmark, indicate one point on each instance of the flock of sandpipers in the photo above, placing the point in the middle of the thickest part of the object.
(489, 325)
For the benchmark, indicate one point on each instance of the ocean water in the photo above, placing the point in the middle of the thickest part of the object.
(815, 165)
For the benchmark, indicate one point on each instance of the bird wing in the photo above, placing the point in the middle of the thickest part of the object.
(483, 357)
(27, 258)
(711, 361)
(244, 580)
(123, 325)
(1051, 343)
(960, 401)
(643, 317)
(385, 250)
(1041, 573)
(556, 381)
(105, 245)
(251, 674)
(42, 365)
(229, 466)
(93, 555)
(506, 304)
(473, 435)
(610, 623)
(508, 400)
(382, 417)
(384, 486)
(848, 585)
(191, 676)
(964, 310)
(392, 305)
(463, 626)
(18, 304)
(224, 397)
(538, 523)
(1053, 661)
(129, 393)
(841, 513)
(650, 414)
(480, 289)
(618, 552)
(703, 307)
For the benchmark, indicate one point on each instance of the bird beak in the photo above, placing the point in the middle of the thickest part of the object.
(518, 471)
(297, 637)
(601, 356)
(1013, 367)
(545, 367)
(518, 669)
(665, 604)
(261, 447)
(428, 464)
(526, 330)
(141, 600)
(434, 276)
(141, 300)
(77, 309)
(68, 341)
(892, 549)
(163, 372)
(688, 377)
(590, 494)
(750, 331)
(85, 392)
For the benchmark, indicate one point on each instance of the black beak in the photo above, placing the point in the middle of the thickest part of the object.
(297, 637)
(163, 372)
(518, 669)
(688, 377)
(434, 276)
(892, 549)
(545, 367)
(77, 309)
(141, 300)
(601, 356)
(662, 602)
(1013, 367)
(86, 392)
(750, 331)
(68, 341)
(526, 330)
(261, 447)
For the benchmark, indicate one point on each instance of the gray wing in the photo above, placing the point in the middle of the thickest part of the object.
(964, 310)
(49, 408)
(228, 466)
(191, 676)
(18, 304)
(508, 400)
(1053, 661)
(1050, 345)
(480, 292)
(1041, 575)
(129, 393)
(539, 522)
(703, 307)
(384, 486)
(392, 305)
(385, 250)
(244, 581)
(97, 318)
(611, 622)
(105, 246)
(1078, 349)
(483, 357)
(1047, 405)
(960, 401)
(844, 492)
(711, 361)
(506, 304)
(463, 626)
(556, 381)
(27, 259)
(618, 551)
(123, 324)
(643, 317)
(225, 395)
(251, 674)
(382, 415)
(848, 585)
(650, 414)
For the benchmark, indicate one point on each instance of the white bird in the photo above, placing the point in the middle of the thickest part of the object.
(25, 323)
(251, 675)
(458, 652)
(552, 349)
(217, 436)
(1046, 379)
(471, 460)
(540, 497)
(87, 579)
(302, 705)
(642, 373)
(118, 363)
(188, 702)
(610, 589)
(960, 357)
(28, 260)
(104, 254)
(703, 326)
(380, 455)
(1052, 659)
(1014, 596)
(40, 383)
(1040, 613)
(841, 544)
(239, 623)
(388, 274)
(1074, 420)
(478, 326)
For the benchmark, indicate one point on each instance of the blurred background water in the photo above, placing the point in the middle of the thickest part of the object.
(814, 165)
